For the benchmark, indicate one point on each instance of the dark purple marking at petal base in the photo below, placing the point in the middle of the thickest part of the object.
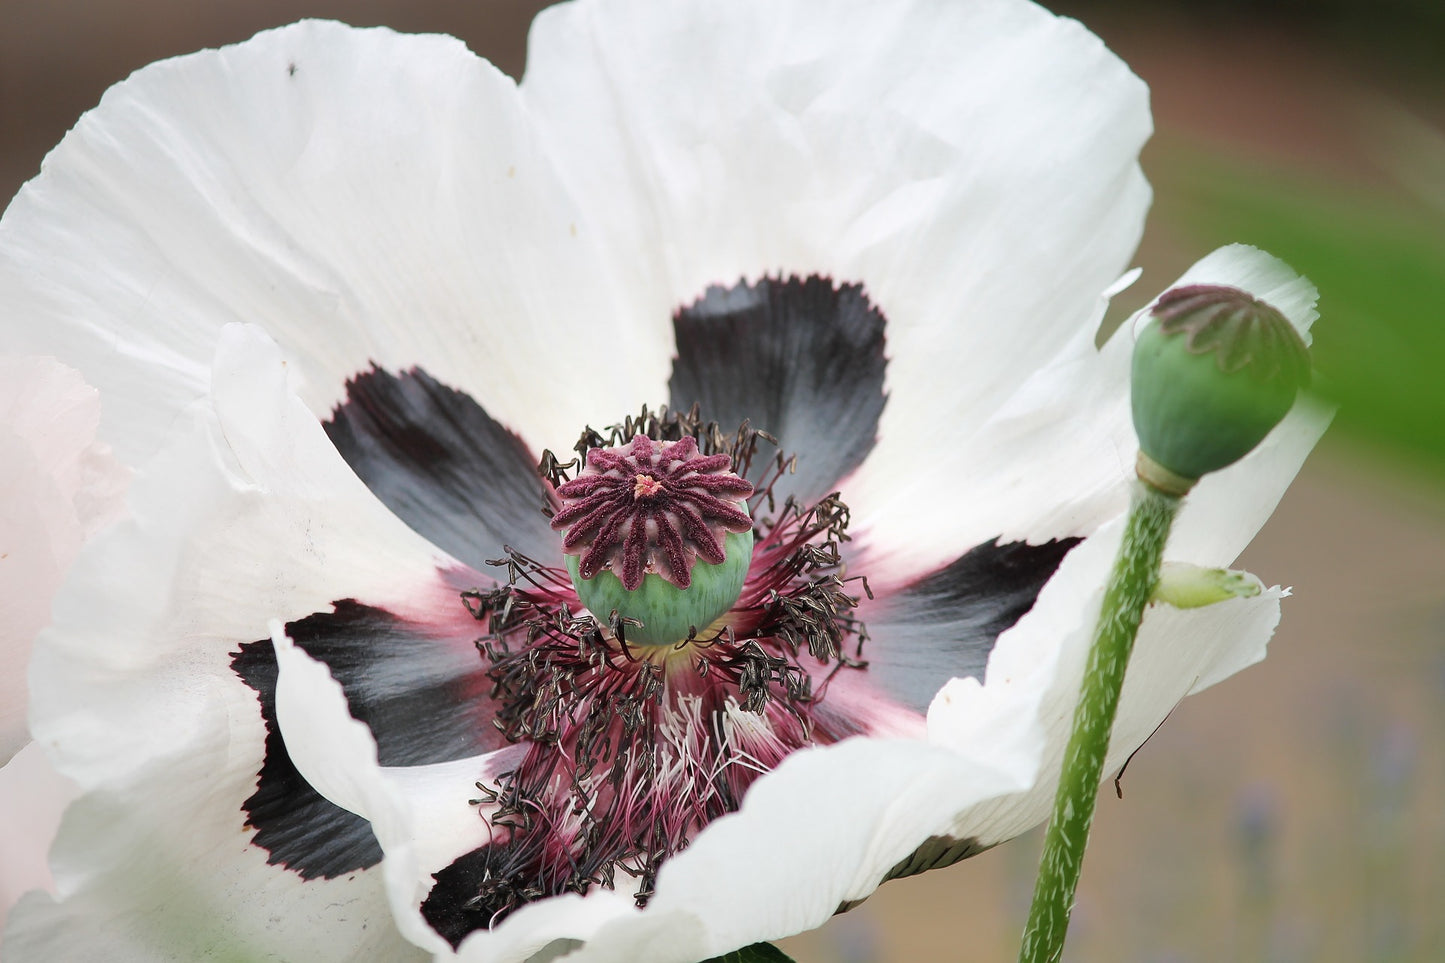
(935, 853)
(300, 828)
(800, 358)
(444, 466)
(424, 697)
(450, 906)
(946, 624)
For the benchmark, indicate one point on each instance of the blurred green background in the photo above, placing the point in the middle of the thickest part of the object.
(1293, 813)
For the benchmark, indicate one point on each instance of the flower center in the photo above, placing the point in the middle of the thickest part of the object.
(633, 749)
(656, 533)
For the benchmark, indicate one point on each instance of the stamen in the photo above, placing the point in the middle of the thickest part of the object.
(632, 750)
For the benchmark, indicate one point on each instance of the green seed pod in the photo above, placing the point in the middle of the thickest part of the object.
(669, 613)
(658, 532)
(1214, 371)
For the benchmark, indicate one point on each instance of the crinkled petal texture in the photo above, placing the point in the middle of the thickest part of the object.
(32, 798)
(879, 808)
(57, 487)
(974, 165)
(365, 197)
(904, 214)
(247, 515)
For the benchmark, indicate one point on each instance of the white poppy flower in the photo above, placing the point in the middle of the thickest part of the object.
(339, 289)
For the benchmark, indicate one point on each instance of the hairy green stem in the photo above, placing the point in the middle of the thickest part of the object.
(1136, 569)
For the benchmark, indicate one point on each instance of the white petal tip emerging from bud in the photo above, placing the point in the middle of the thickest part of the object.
(1186, 586)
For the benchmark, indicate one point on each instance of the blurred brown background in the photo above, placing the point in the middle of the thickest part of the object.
(1293, 813)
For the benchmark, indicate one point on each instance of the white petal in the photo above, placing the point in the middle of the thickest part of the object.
(1256, 272)
(826, 827)
(39, 535)
(143, 876)
(813, 830)
(1056, 456)
(1226, 509)
(420, 815)
(56, 413)
(32, 797)
(337, 755)
(1051, 459)
(1035, 669)
(821, 830)
(56, 487)
(973, 164)
(361, 194)
(1038, 664)
(1040, 660)
(248, 515)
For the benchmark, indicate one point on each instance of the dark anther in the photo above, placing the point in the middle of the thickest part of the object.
(632, 750)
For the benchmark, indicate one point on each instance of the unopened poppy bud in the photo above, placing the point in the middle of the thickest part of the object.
(1215, 370)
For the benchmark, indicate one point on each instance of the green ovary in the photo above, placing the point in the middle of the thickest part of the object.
(668, 613)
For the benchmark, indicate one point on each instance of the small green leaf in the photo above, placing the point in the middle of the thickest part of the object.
(757, 953)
